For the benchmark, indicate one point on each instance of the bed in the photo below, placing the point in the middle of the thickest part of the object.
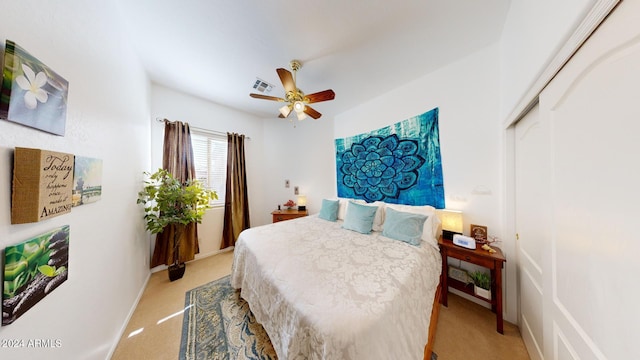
(325, 292)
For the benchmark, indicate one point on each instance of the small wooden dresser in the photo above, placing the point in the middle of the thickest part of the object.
(282, 215)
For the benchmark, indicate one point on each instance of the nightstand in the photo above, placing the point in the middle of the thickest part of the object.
(282, 215)
(494, 262)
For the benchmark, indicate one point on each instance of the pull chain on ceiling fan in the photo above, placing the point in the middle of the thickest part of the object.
(296, 99)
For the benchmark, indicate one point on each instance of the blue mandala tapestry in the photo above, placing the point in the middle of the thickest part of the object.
(397, 164)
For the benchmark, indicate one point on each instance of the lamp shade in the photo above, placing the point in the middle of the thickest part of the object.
(302, 202)
(451, 220)
(285, 110)
(301, 115)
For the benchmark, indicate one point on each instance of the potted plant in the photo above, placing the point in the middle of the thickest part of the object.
(168, 202)
(482, 284)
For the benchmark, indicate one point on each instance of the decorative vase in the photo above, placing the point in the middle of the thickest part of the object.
(176, 271)
(483, 293)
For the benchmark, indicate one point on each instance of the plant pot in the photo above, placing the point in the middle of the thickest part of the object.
(478, 291)
(176, 271)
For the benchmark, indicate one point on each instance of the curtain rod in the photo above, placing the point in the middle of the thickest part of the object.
(161, 120)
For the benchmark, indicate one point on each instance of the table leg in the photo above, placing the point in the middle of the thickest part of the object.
(498, 293)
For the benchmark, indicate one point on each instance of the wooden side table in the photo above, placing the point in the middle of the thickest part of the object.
(494, 262)
(282, 215)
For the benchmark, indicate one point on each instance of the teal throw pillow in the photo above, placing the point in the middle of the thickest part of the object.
(359, 217)
(404, 226)
(329, 210)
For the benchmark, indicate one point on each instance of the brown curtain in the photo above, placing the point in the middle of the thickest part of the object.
(236, 202)
(177, 158)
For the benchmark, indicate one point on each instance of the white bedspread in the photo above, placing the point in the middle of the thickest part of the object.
(322, 292)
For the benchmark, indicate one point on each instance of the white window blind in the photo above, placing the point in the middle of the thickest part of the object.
(210, 158)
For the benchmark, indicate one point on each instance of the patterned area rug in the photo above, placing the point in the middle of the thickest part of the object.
(218, 325)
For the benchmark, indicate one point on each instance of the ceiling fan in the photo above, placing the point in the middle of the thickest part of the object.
(297, 101)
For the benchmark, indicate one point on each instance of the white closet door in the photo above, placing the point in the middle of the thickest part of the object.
(590, 266)
(532, 216)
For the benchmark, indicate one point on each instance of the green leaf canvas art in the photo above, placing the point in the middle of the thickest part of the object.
(33, 269)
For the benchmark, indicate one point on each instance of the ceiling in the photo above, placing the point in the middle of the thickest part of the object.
(215, 49)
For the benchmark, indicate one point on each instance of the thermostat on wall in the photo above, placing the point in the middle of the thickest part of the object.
(464, 241)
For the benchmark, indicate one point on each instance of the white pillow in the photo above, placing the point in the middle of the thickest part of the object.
(432, 224)
(377, 221)
(342, 208)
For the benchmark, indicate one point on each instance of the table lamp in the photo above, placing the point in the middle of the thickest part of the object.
(302, 203)
(451, 223)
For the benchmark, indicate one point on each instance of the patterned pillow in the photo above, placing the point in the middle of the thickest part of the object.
(359, 217)
(329, 210)
(404, 226)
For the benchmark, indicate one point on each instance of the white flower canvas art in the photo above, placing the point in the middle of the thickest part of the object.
(32, 94)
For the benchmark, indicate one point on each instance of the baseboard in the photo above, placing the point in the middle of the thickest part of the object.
(126, 322)
(197, 257)
(202, 256)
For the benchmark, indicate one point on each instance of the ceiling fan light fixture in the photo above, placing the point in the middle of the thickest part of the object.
(285, 110)
(294, 97)
(298, 106)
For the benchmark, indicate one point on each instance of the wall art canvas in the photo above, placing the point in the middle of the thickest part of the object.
(32, 94)
(42, 185)
(87, 180)
(397, 164)
(32, 270)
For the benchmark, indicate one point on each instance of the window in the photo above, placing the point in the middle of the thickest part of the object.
(210, 158)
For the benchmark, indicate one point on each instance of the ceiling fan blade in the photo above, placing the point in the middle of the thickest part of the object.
(311, 112)
(266, 97)
(287, 79)
(320, 96)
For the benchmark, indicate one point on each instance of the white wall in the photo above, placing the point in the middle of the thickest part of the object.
(466, 92)
(533, 32)
(203, 114)
(107, 119)
(304, 155)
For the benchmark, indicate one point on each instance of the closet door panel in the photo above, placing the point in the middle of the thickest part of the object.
(532, 192)
(592, 109)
